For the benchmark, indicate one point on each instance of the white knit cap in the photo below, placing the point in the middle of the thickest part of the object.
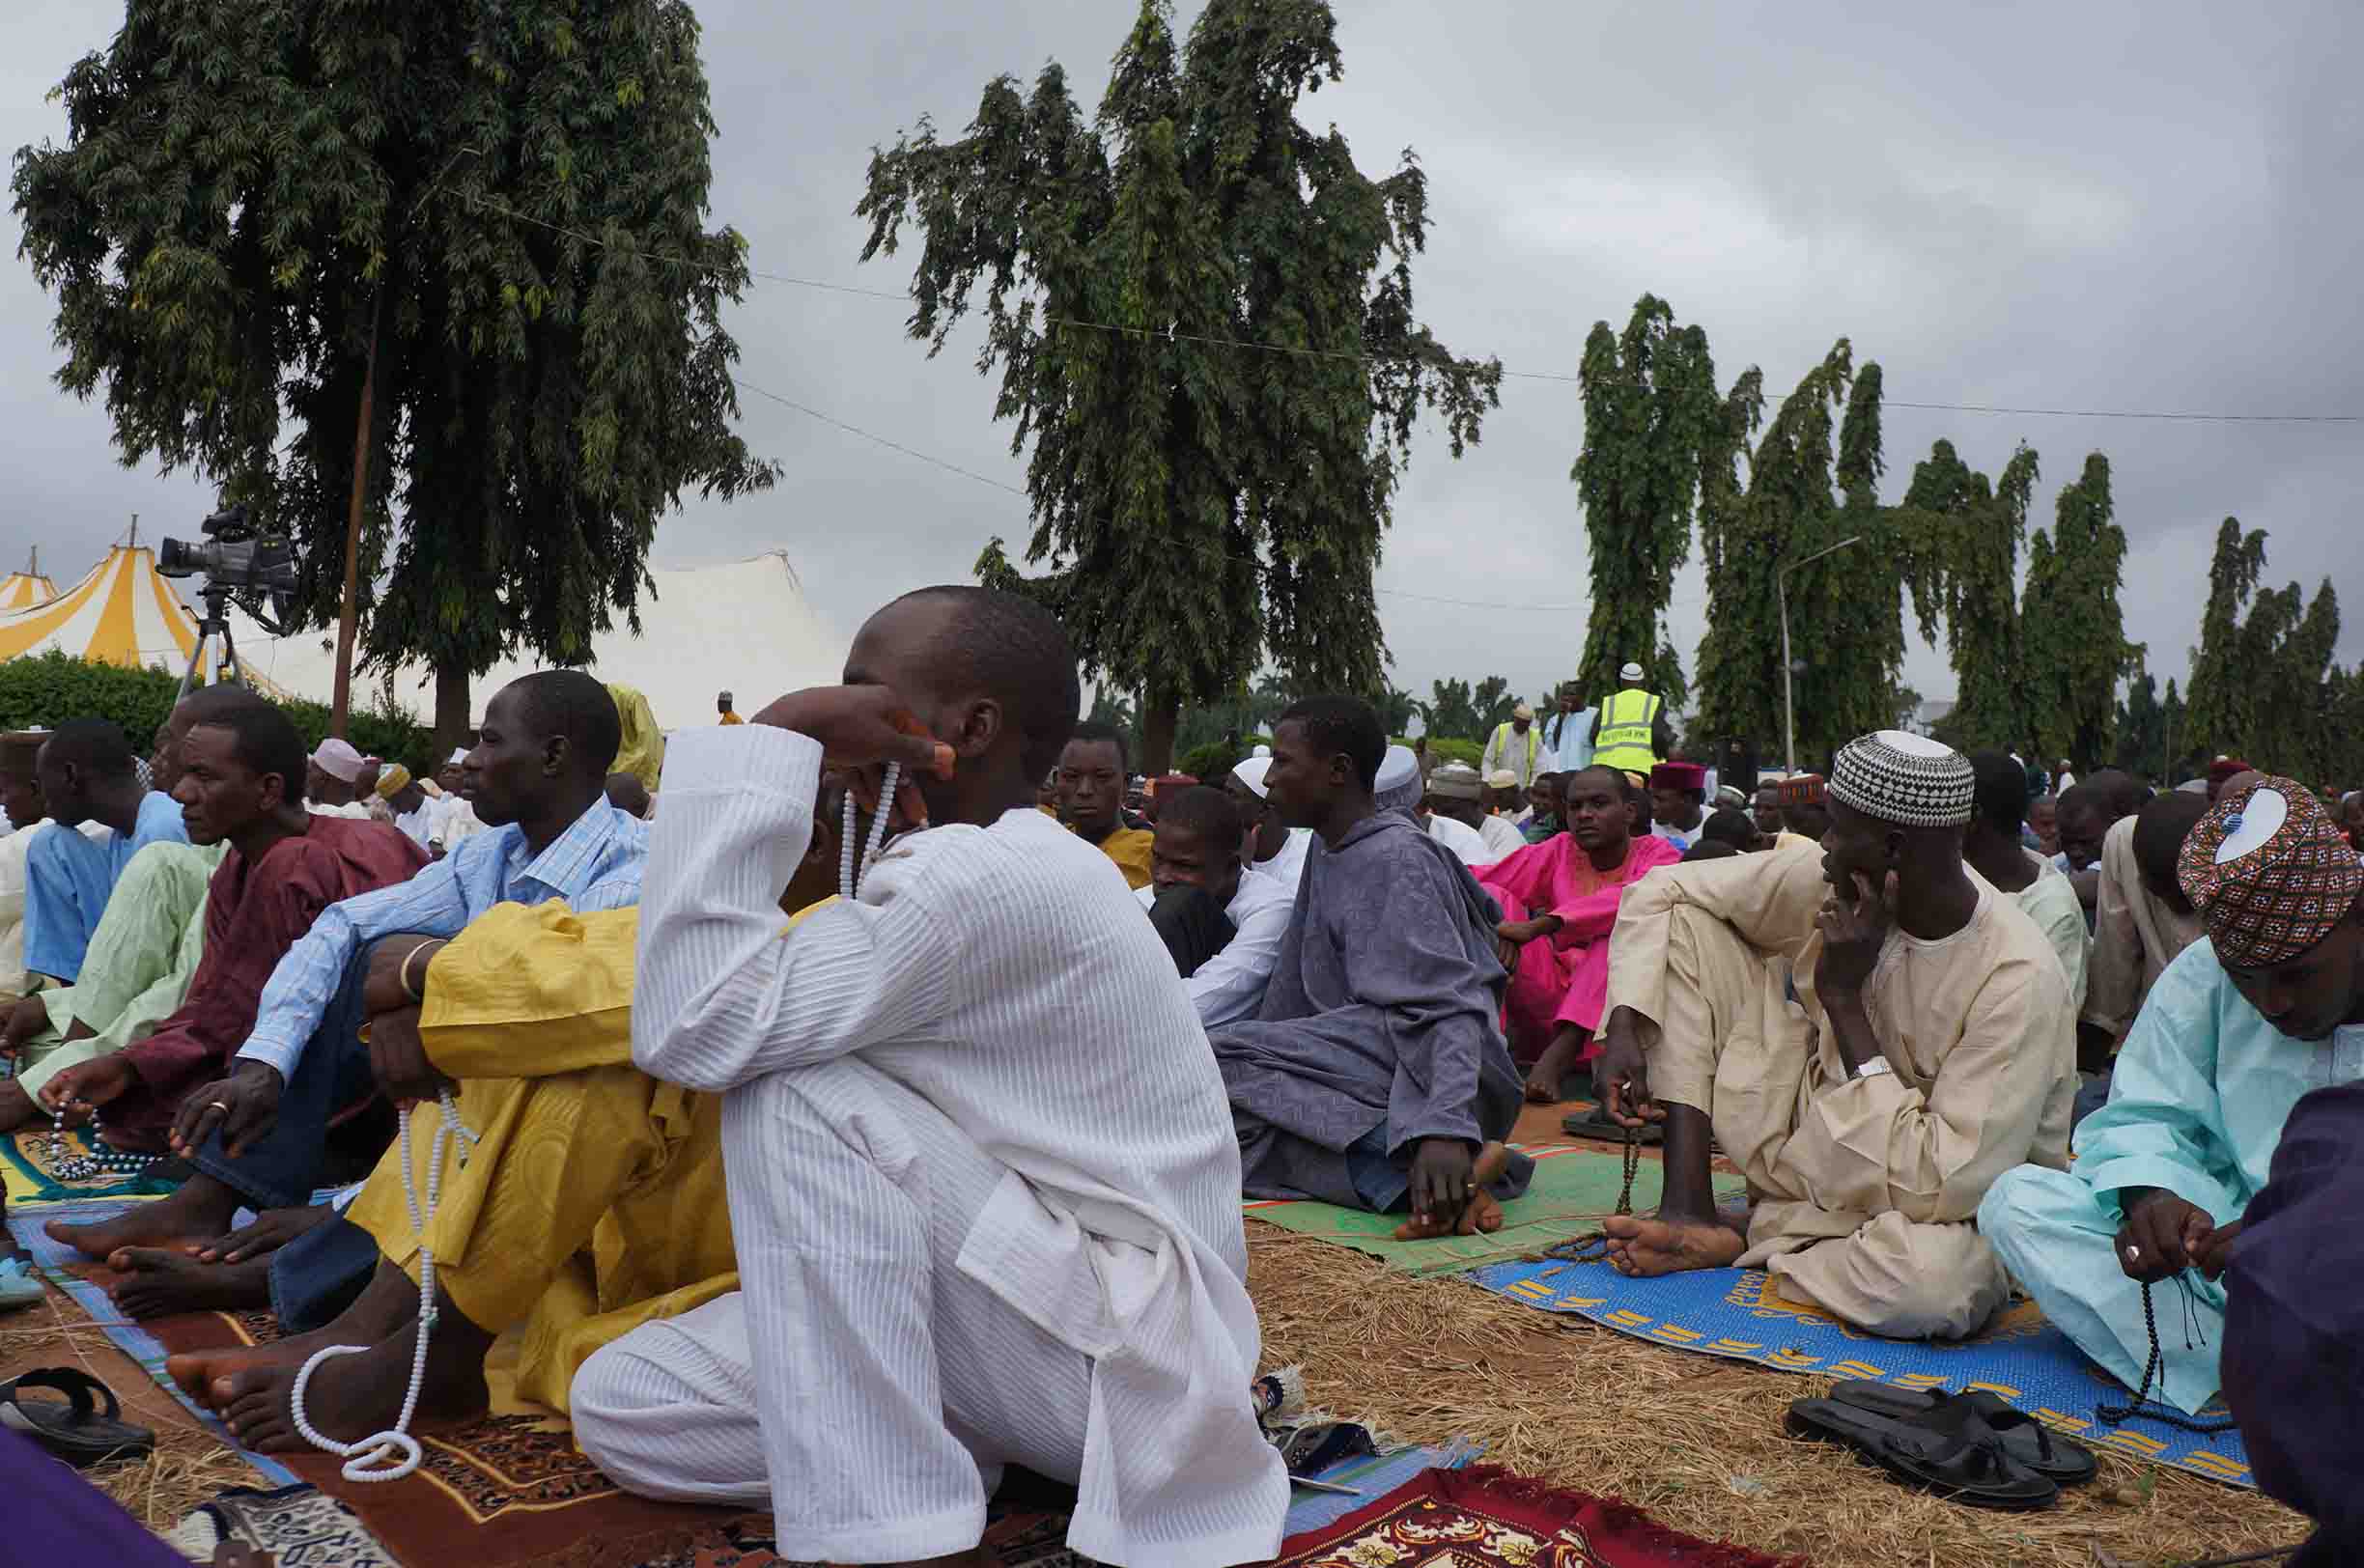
(1904, 778)
(338, 760)
(1631, 672)
(1252, 771)
(1399, 786)
(459, 755)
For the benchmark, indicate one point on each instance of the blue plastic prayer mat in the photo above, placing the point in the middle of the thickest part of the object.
(1742, 1314)
(57, 1261)
(1373, 1476)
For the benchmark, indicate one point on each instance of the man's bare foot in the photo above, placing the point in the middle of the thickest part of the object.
(165, 1280)
(351, 1397)
(1671, 1246)
(385, 1309)
(1483, 1214)
(201, 1207)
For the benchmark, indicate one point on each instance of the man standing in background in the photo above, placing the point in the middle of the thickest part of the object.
(1567, 735)
(1515, 745)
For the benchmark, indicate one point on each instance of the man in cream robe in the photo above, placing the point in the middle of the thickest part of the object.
(1866, 1156)
(959, 1250)
(2142, 921)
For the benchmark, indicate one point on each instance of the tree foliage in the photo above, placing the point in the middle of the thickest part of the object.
(1652, 424)
(2142, 730)
(2220, 703)
(2074, 646)
(1199, 505)
(1967, 535)
(46, 690)
(2263, 686)
(506, 198)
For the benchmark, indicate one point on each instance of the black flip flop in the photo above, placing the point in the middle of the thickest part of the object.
(2025, 1440)
(76, 1431)
(1597, 1125)
(1971, 1471)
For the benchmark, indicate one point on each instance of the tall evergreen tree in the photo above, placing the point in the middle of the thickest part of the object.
(2142, 730)
(1199, 505)
(492, 213)
(1966, 535)
(2219, 702)
(1651, 421)
(2074, 630)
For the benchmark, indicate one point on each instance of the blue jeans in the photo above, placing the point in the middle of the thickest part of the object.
(320, 1273)
(284, 1167)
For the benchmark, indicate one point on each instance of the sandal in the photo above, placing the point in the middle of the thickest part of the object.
(20, 1284)
(1960, 1469)
(76, 1431)
(2023, 1438)
(1596, 1124)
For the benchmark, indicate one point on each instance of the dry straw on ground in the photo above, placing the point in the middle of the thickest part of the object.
(1698, 1442)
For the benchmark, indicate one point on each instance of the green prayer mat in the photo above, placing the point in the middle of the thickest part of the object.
(1574, 1189)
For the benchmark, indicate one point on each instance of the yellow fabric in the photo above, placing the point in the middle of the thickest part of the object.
(642, 753)
(1129, 848)
(1625, 740)
(729, 717)
(594, 1199)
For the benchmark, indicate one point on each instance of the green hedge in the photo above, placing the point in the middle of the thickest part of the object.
(1446, 749)
(54, 688)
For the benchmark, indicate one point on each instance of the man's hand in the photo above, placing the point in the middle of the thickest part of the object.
(88, 1085)
(382, 990)
(2215, 1249)
(1621, 1076)
(397, 1057)
(2162, 1237)
(25, 1020)
(1441, 1180)
(241, 1108)
(1853, 931)
(861, 728)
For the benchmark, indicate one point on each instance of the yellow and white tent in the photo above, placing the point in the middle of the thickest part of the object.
(124, 612)
(22, 590)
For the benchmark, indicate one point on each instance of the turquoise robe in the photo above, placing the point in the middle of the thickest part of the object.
(2197, 1101)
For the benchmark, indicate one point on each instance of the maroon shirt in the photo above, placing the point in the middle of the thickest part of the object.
(254, 913)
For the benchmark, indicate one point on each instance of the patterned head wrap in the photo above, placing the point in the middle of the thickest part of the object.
(1906, 779)
(2269, 873)
(392, 779)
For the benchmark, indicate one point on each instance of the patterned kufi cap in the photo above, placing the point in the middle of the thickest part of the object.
(392, 779)
(1906, 779)
(1456, 781)
(1398, 784)
(1802, 790)
(2269, 873)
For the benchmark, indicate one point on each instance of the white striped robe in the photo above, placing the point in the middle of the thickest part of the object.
(981, 1169)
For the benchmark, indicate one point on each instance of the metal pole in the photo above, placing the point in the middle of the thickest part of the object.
(1781, 589)
(341, 699)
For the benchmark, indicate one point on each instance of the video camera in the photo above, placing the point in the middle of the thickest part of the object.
(238, 560)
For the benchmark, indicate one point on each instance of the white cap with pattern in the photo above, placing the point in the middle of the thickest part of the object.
(1903, 779)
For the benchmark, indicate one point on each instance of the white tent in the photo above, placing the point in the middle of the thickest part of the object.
(742, 627)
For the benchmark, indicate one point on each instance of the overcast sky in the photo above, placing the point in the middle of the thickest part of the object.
(2114, 207)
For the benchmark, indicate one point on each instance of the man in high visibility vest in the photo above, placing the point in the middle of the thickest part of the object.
(1631, 734)
(1514, 744)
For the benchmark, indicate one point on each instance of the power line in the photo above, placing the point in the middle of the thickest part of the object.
(1351, 356)
(745, 386)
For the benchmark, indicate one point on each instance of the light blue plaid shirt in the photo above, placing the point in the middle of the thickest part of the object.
(595, 864)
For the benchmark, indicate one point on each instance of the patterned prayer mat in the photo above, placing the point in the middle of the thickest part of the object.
(1574, 1187)
(30, 1172)
(1488, 1518)
(1742, 1314)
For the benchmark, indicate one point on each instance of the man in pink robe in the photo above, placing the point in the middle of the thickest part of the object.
(1559, 901)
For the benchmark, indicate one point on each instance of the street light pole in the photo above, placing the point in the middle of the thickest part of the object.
(1780, 591)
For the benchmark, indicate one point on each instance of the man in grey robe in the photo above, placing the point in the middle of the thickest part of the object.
(1376, 1076)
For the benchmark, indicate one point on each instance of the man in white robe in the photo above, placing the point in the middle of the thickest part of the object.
(2142, 921)
(1929, 1048)
(963, 1242)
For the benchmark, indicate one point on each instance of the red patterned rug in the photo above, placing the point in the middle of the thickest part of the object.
(1489, 1518)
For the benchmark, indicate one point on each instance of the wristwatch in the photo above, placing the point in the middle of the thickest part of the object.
(1873, 1068)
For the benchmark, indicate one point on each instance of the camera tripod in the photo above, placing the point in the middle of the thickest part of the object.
(212, 622)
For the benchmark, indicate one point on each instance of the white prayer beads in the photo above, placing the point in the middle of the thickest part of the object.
(848, 878)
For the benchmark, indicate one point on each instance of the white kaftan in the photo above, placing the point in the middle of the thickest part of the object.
(2051, 901)
(948, 1206)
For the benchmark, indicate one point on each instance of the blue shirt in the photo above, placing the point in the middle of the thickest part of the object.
(69, 878)
(595, 864)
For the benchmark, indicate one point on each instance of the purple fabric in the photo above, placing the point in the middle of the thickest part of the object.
(54, 1516)
(2293, 1351)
